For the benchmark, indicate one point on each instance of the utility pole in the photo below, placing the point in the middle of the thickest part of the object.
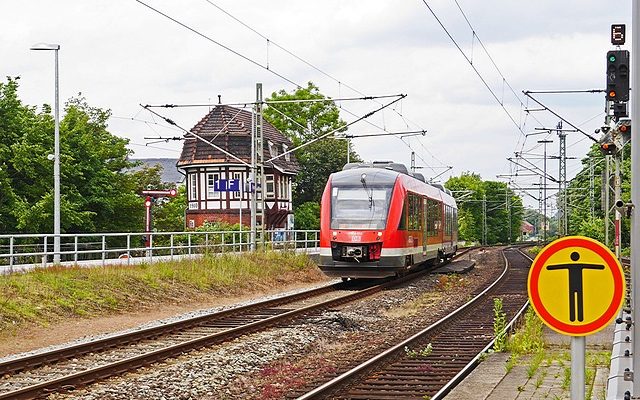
(544, 188)
(606, 187)
(540, 200)
(592, 189)
(257, 172)
(616, 196)
(484, 219)
(635, 194)
(562, 181)
(348, 150)
(508, 209)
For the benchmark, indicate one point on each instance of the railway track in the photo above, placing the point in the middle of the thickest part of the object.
(456, 343)
(71, 367)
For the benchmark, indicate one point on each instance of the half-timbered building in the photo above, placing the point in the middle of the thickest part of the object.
(205, 166)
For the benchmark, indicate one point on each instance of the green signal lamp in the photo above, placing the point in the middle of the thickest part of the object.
(612, 58)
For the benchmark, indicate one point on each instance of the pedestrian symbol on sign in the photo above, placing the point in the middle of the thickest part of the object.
(575, 284)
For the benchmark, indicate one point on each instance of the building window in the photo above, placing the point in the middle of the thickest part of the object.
(212, 178)
(237, 176)
(193, 186)
(270, 187)
(287, 156)
(273, 150)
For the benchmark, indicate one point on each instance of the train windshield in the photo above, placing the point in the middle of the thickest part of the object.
(357, 207)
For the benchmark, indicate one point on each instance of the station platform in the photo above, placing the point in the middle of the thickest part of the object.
(498, 378)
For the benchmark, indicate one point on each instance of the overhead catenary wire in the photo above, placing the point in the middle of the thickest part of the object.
(252, 61)
(271, 42)
(270, 102)
(367, 115)
(470, 62)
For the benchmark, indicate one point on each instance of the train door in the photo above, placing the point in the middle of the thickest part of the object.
(424, 226)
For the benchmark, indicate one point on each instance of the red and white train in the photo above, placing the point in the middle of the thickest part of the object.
(379, 220)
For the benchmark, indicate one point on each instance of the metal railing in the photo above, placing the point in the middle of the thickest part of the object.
(103, 248)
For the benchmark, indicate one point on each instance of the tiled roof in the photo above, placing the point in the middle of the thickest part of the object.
(230, 128)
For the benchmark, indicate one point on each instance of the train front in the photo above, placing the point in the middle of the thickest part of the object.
(356, 221)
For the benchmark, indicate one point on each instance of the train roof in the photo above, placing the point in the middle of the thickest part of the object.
(385, 173)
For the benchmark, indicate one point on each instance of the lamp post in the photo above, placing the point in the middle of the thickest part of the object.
(56, 155)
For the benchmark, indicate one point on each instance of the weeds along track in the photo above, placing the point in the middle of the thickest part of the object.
(431, 362)
(78, 365)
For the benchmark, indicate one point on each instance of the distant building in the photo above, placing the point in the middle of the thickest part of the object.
(170, 173)
(230, 129)
(527, 229)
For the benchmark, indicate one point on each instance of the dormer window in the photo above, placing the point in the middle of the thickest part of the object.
(273, 150)
(287, 156)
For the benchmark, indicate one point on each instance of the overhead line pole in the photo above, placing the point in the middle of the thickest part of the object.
(635, 192)
(544, 188)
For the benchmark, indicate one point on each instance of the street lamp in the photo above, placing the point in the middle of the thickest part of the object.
(56, 155)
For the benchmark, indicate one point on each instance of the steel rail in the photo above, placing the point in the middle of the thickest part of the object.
(330, 388)
(474, 362)
(36, 360)
(94, 374)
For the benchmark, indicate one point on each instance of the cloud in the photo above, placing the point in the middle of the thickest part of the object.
(122, 54)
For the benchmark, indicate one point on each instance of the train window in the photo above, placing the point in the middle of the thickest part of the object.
(455, 221)
(403, 217)
(434, 217)
(446, 220)
(448, 225)
(415, 212)
(359, 208)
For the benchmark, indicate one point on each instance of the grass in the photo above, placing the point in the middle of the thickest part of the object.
(529, 338)
(534, 364)
(43, 296)
(534, 250)
(413, 307)
(499, 326)
(443, 285)
(528, 341)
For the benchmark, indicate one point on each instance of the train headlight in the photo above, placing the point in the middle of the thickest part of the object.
(379, 235)
(335, 235)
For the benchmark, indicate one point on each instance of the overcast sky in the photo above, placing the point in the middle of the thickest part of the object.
(120, 54)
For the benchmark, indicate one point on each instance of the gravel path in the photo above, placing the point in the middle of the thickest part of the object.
(270, 364)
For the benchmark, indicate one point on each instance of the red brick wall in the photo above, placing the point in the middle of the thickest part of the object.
(226, 216)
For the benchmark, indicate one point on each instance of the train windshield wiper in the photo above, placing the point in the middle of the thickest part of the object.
(367, 190)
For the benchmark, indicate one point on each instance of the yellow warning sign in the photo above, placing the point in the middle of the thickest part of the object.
(576, 285)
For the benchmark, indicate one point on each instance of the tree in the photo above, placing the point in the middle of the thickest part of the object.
(582, 219)
(169, 216)
(504, 209)
(307, 216)
(306, 121)
(97, 192)
(470, 207)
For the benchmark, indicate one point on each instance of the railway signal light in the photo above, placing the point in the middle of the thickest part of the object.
(608, 149)
(618, 75)
(618, 34)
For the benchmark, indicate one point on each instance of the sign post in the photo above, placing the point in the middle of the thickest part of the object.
(576, 286)
(148, 202)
